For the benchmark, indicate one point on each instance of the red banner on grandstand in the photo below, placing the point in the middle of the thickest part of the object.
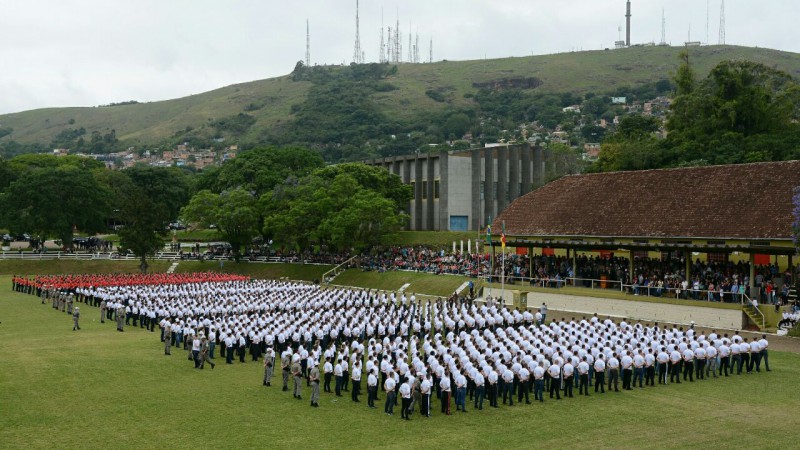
(606, 254)
(762, 260)
(522, 250)
(548, 251)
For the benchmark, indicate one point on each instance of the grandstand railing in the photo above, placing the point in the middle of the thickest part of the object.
(328, 276)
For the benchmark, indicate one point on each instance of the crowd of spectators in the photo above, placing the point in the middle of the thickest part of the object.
(711, 281)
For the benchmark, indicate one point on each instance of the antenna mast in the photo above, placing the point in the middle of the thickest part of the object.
(663, 28)
(358, 56)
(308, 46)
(722, 23)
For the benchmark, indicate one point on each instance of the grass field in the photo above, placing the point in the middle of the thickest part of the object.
(305, 272)
(421, 283)
(97, 388)
(31, 267)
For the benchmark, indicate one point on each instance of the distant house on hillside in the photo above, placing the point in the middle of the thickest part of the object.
(619, 100)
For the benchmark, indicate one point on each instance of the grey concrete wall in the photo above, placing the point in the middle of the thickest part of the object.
(488, 191)
(475, 176)
(430, 212)
(502, 178)
(444, 215)
(513, 171)
(418, 223)
(527, 152)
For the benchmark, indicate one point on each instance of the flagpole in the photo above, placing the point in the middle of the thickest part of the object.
(503, 265)
(491, 254)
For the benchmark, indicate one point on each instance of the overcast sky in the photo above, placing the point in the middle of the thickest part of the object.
(90, 52)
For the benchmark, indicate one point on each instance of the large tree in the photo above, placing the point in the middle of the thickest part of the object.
(145, 225)
(742, 112)
(261, 169)
(344, 207)
(167, 186)
(52, 202)
(234, 212)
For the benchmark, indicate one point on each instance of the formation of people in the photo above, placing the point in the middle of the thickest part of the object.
(413, 353)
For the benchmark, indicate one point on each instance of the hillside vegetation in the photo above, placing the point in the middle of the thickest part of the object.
(398, 101)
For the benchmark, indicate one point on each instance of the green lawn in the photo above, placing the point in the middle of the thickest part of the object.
(97, 388)
(306, 272)
(420, 283)
(439, 239)
(31, 267)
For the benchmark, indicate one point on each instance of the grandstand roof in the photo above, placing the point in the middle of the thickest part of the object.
(745, 201)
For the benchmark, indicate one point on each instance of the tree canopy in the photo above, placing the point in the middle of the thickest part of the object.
(52, 202)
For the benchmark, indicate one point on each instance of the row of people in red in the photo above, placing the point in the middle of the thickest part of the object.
(70, 282)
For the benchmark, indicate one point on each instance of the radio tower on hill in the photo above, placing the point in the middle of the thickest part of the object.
(358, 56)
(722, 23)
(308, 46)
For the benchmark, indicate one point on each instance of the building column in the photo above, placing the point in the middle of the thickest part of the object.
(418, 194)
(406, 171)
(513, 172)
(752, 284)
(526, 169)
(488, 190)
(687, 256)
(631, 273)
(430, 222)
(502, 178)
(538, 167)
(475, 168)
(444, 214)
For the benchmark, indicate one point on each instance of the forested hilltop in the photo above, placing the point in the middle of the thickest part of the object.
(373, 110)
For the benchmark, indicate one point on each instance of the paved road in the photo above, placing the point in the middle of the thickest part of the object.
(661, 312)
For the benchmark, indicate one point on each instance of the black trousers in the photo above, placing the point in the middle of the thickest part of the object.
(583, 384)
(724, 365)
(568, 385)
(627, 376)
(406, 403)
(372, 392)
(555, 387)
(688, 368)
(327, 385)
(356, 390)
(600, 381)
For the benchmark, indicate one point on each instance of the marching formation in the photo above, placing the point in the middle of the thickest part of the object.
(411, 352)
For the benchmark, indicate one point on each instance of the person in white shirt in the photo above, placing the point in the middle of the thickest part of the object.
(405, 397)
(444, 386)
(555, 380)
(388, 388)
(372, 387)
(763, 354)
(711, 361)
(338, 375)
(355, 376)
(583, 377)
(567, 372)
(425, 390)
(600, 374)
(461, 392)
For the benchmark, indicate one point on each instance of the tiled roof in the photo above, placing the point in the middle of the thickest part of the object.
(732, 201)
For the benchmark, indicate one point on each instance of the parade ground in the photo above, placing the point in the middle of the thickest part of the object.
(98, 388)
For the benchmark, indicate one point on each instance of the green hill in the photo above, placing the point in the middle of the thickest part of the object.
(415, 90)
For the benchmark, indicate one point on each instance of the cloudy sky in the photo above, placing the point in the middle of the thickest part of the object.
(90, 52)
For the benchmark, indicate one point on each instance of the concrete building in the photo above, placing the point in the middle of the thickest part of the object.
(461, 190)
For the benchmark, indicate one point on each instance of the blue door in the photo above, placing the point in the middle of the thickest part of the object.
(458, 223)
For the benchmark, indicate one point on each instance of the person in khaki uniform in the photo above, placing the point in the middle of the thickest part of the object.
(286, 363)
(297, 376)
(313, 377)
(269, 362)
(75, 316)
(167, 338)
